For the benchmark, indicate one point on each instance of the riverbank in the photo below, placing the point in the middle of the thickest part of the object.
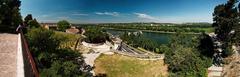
(151, 31)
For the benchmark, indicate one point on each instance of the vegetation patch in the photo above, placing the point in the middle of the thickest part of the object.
(67, 40)
(123, 66)
(96, 35)
(51, 59)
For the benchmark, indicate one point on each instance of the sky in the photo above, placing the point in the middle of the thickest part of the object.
(120, 11)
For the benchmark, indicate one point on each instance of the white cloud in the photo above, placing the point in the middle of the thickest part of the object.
(80, 14)
(63, 17)
(145, 16)
(44, 15)
(107, 13)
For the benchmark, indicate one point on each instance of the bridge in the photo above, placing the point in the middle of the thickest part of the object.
(16, 59)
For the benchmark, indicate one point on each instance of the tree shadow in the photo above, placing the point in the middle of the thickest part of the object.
(101, 75)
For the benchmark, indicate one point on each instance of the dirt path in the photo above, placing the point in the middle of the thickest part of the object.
(233, 68)
(8, 52)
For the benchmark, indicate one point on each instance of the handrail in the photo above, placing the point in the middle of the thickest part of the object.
(29, 55)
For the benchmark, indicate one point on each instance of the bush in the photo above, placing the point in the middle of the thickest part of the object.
(34, 24)
(139, 41)
(63, 25)
(96, 35)
(51, 59)
(184, 60)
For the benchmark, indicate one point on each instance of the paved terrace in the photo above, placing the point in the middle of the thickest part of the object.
(8, 55)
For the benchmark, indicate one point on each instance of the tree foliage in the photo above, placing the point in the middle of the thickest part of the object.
(63, 25)
(226, 23)
(42, 40)
(206, 45)
(96, 35)
(139, 41)
(28, 18)
(51, 59)
(168, 27)
(225, 18)
(10, 16)
(33, 23)
(184, 59)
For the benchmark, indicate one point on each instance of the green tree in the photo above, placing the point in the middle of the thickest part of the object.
(41, 39)
(184, 59)
(63, 25)
(10, 16)
(226, 20)
(206, 45)
(139, 41)
(53, 61)
(33, 23)
(96, 35)
(28, 18)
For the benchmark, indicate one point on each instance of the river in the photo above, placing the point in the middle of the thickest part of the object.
(160, 38)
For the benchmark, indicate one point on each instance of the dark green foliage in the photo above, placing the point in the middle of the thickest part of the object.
(53, 61)
(10, 16)
(139, 41)
(227, 52)
(206, 45)
(61, 69)
(226, 19)
(63, 25)
(96, 35)
(42, 40)
(184, 59)
(27, 19)
(63, 64)
(191, 27)
(30, 22)
(33, 23)
(162, 49)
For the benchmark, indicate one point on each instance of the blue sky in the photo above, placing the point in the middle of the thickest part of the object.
(104, 11)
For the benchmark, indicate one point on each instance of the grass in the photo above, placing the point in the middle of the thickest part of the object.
(67, 40)
(123, 66)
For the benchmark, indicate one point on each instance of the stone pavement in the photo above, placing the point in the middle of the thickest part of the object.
(8, 55)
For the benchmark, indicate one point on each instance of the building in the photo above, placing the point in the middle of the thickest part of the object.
(73, 30)
(49, 26)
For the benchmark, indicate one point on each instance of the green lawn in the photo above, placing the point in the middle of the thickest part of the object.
(123, 66)
(67, 39)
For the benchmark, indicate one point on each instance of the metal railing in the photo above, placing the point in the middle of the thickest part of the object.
(30, 68)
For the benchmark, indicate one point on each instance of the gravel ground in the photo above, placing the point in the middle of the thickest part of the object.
(233, 68)
(8, 52)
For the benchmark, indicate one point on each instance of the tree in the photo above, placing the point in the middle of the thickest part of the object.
(51, 59)
(184, 59)
(28, 18)
(225, 18)
(206, 45)
(96, 35)
(63, 25)
(139, 41)
(10, 16)
(226, 23)
(42, 40)
(33, 23)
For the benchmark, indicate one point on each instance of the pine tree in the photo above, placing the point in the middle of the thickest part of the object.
(225, 18)
(10, 16)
